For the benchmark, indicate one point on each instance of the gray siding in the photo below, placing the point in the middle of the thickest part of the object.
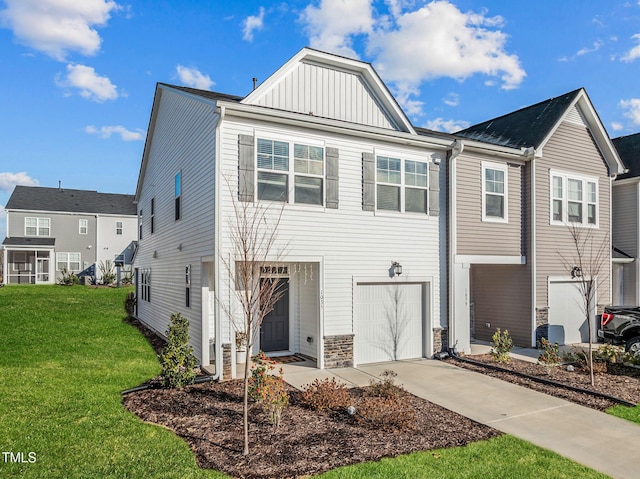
(183, 140)
(477, 237)
(328, 93)
(625, 218)
(501, 297)
(571, 149)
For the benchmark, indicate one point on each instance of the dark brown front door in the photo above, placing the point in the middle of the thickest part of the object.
(274, 332)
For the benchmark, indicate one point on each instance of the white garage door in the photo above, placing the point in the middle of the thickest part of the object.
(389, 321)
(567, 322)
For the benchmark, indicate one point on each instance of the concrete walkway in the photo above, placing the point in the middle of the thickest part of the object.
(597, 440)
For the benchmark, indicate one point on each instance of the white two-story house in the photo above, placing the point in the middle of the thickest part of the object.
(361, 193)
(54, 229)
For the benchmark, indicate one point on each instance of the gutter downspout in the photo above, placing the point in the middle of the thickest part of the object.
(531, 154)
(456, 149)
(216, 246)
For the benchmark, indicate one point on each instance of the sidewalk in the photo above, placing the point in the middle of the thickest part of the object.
(595, 439)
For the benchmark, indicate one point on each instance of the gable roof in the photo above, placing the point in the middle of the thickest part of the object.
(37, 198)
(328, 72)
(629, 150)
(533, 126)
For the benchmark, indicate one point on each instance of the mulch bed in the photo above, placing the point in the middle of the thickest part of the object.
(611, 379)
(209, 417)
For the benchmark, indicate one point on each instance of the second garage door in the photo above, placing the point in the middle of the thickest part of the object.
(389, 323)
(567, 322)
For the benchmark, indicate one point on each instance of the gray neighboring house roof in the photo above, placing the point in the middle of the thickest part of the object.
(17, 241)
(37, 198)
(524, 128)
(210, 95)
(629, 150)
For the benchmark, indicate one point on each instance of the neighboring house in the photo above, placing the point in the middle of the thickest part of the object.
(626, 224)
(362, 190)
(52, 229)
(516, 182)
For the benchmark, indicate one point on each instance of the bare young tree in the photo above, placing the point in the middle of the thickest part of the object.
(586, 264)
(253, 236)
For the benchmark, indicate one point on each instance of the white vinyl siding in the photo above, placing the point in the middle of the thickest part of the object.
(37, 226)
(574, 200)
(494, 192)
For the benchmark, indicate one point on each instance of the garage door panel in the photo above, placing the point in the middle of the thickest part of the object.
(567, 322)
(389, 322)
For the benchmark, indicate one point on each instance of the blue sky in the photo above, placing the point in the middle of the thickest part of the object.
(78, 77)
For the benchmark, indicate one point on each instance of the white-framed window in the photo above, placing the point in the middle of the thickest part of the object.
(153, 215)
(119, 228)
(83, 227)
(37, 226)
(187, 287)
(283, 165)
(140, 225)
(178, 195)
(574, 199)
(494, 192)
(19, 262)
(401, 184)
(145, 284)
(68, 261)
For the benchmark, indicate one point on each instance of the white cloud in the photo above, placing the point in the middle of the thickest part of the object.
(194, 78)
(57, 27)
(9, 180)
(91, 85)
(438, 40)
(584, 51)
(452, 99)
(105, 132)
(449, 126)
(634, 53)
(252, 23)
(331, 25)
(632, 109)
(617, 126)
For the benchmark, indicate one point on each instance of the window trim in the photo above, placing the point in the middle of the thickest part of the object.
(145, 284)
(488, 165)
(187, 278)
(403, 157)
(121, 228)
(585, 180)
(152, 216)
(290, 173)
(140, 223)
(177, 183)
(86, 226)
(38, 219)
(68, 261)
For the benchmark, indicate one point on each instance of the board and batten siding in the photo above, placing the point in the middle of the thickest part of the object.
(501, 296)
(571, 149)
(350, 243)
(183, 140)
(624, 218)
(477, 237)
(328, 93)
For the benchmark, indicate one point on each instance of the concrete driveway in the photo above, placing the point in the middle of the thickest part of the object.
(597, 440)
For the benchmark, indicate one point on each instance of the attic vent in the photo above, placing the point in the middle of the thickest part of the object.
(575, 116)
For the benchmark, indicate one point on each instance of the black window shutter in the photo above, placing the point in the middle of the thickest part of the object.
(332, 188)
(368, 182)
(246, 168)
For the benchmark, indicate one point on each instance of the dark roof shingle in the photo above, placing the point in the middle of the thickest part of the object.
(18, 241)
(629, 151)
(524, 128)
(36, 198)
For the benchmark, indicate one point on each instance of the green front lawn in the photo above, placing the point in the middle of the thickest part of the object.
(66, 355)
(629, 413)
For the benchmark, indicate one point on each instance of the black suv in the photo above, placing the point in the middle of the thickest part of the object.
(621, 325)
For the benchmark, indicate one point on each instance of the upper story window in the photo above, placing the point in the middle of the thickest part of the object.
(574, 200)
(140, 225)
(178, 206)
(281, 164)
(494, 192)
(119, 228)
(153, 215)
(37, 226)
(83, 227)
(401, 184)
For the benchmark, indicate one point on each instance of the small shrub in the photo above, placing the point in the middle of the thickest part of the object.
(549, 353)
(501, 345)
(107, 272)
(68, 278)
(608, 353)
(631, 358)
(386, 387)
(326, 394)
(176, 359)
(130, 304)
(386, 413)
(267, 389)
(127, 277)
